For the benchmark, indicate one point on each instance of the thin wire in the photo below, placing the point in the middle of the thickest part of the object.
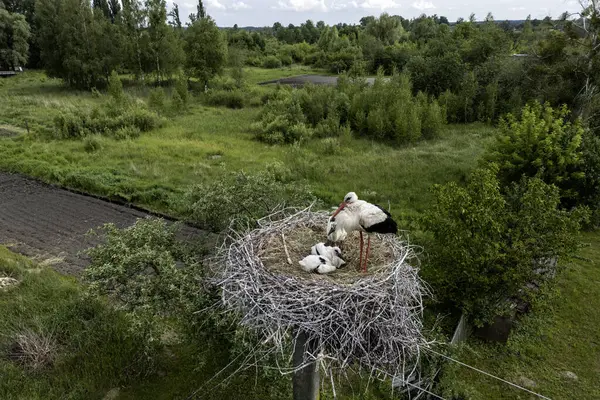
(424, 390)
(490, 375)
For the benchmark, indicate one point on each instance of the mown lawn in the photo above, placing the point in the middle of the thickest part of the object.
(560, 335)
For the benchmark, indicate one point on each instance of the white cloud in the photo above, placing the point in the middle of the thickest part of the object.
(377, 4)
(240, 5)
(517, 8)
(302, 5)
(216, 4)
(423, 5)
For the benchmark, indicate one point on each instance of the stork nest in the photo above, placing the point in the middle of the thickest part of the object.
(373, 320)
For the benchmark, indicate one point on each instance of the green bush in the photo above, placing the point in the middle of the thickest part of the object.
(486, 244)
(181, 88)
(241, 198)
(92, 143)
(589, 190)
(387, 111)
(542, 143)
(177, 104)
(227, 98)
(432, 120)
(107, 120)
(138, 268)
(157, 99)
(272, 62)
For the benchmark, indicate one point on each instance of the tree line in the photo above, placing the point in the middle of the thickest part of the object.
(82, 42)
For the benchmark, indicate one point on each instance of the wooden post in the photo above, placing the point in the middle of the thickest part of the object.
(306, 380)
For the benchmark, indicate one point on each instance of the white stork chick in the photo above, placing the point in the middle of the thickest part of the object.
(318, 264)
(358, 215)
(312, 262)
(332, 253)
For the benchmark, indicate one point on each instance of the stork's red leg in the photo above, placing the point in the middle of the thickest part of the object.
(367, 255)
(361, 248)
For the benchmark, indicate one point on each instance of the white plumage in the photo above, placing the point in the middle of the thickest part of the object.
(312, 262)
(358, 215)
(332, 253)
(325, 269)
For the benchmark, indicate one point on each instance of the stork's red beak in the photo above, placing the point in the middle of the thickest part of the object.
(340, 208)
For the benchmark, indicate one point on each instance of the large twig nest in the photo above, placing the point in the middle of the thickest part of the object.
(373, 320)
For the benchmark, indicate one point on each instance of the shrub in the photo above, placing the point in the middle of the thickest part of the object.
(272, 62)
(432, 120)
(127, 132)
(541, 143)
(75, 123)
(69, 125)
(92, 143)
(138, 268)
(181, 88)
(241, 198)
(589, 190)
(230, 99)
(486, 244)
(177, 103)
(115, 87)
(157, 99)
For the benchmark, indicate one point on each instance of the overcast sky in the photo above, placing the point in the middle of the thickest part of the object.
(266, 12)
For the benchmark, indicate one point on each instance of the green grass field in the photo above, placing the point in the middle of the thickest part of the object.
(152, 169)
(202, 145)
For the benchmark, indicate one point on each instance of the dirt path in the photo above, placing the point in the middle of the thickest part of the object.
(49, 224)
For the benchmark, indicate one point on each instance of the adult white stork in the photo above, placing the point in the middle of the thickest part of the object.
(358, 215)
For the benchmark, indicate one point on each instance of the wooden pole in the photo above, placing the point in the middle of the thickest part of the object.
(306, 380)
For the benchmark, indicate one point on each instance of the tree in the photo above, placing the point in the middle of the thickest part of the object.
(14, 36)
(542, 143)
(164, 53)
(489, 242)
(176, 21)
(200, 13)
(206, 49)
(132, 20)
(388, 29)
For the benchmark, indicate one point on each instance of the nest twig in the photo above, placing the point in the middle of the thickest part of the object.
(372, 320)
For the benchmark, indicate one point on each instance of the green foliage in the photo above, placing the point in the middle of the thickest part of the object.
(542, 143)
(206, 49)
(92, 143)
(14, 40)
(177, 104)
(589, 191)
(181, 87)
(227, 98)
(486, 244)
(162, 48)
(241, 199)
(115, 88)
(77, 44)
(272, 62)
(157, 99)
(125, 120)
(386, 111)
(138, 268)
